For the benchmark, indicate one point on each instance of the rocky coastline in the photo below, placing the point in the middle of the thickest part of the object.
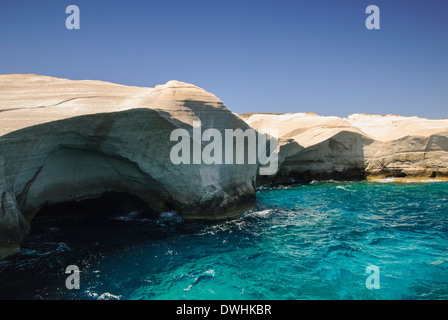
(64, 140)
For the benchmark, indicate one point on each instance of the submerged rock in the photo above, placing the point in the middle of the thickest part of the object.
(64, 140)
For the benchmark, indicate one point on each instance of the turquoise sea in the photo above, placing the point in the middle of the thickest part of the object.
(310, 241)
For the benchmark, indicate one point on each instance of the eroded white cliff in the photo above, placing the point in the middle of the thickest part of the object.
(64, 140)
(359, 146)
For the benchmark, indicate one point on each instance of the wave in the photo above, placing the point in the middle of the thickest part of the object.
(258, 213)
(324, 181)
(170, 215)
(137, 216)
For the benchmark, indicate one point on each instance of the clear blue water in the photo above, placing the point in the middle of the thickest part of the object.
(304, 242)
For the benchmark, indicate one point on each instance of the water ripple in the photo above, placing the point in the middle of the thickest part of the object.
(304, 242)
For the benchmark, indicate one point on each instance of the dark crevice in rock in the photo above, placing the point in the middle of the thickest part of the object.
(22, 196)
(353, 174)
(396, 175)
(109, 205)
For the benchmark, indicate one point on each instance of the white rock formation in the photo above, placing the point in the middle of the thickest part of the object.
(360, 146)
(63, 140)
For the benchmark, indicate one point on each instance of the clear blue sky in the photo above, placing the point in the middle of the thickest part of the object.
(255, 55)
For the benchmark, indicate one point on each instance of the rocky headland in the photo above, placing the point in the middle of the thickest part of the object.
(361, 146)
(63, 141)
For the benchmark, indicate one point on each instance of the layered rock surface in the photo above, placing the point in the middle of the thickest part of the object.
(63, 140)
(360, 146)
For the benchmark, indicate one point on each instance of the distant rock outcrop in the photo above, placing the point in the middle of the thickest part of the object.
(63, 140)
(361, 146)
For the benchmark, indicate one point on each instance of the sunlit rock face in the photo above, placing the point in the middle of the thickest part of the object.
(360, 146)
(64, 140)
